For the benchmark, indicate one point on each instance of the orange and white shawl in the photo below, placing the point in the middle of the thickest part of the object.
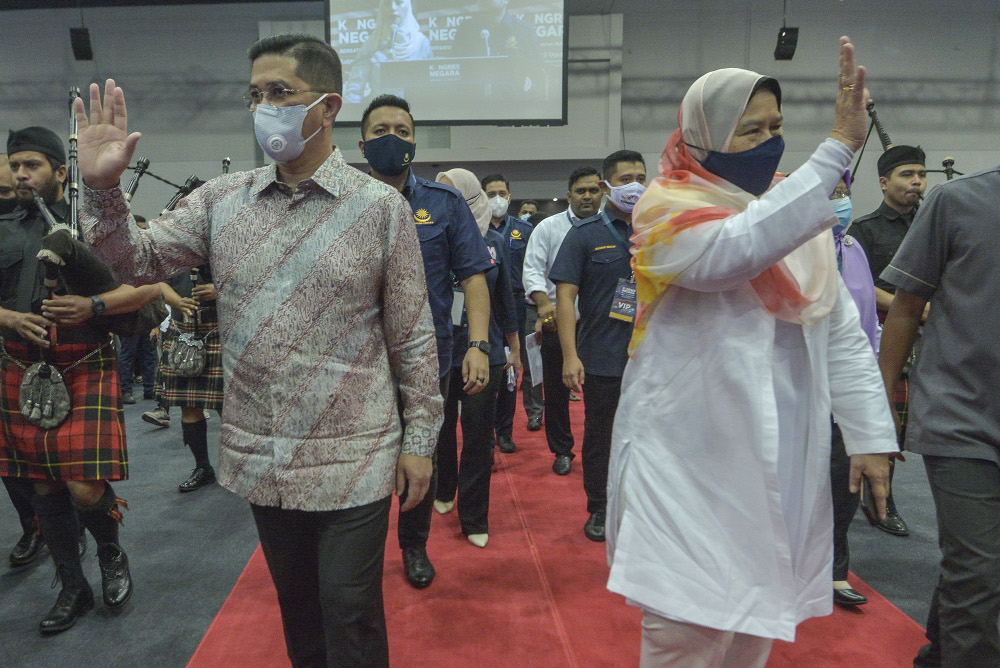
(682, 213)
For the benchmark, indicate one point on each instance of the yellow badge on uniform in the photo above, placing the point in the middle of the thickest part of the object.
(422, 217)
(511, 42)
(515, 235)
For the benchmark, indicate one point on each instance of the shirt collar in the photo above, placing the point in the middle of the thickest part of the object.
(327, 176)
(889, 213)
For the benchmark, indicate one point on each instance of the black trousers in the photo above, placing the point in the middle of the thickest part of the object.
(845, 504)
(21, 491)
(415, 524)
(557, 426)
(532, 397)
(600, 402)
(327, 568)
(962, 623)
(471, 478)
(507, 399)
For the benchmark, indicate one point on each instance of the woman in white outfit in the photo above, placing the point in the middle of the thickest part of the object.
(720, 518)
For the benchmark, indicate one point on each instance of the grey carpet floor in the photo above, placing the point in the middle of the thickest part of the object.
(187, 550)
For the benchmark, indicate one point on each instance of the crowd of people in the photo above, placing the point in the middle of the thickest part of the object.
(742, 348)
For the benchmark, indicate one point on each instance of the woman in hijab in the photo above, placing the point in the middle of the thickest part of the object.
(720, 517)
(396, 36)
(471, 476)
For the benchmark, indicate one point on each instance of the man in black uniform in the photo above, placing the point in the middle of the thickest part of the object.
(903, 178)
(515, 233)
(593, 265)
(71, 463)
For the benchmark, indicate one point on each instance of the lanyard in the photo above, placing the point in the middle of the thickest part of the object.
(614, 231)
(506, 230)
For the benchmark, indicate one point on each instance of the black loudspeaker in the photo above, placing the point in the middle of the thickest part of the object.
(788, 39)
(79, 39)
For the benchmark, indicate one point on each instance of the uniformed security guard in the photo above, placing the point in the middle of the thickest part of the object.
(903, 179)
(593, 265)
(453, 250)
(515, 234)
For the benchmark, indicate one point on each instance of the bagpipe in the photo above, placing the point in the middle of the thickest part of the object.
(948, 163)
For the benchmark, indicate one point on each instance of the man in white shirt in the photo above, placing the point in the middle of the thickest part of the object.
(584, 201)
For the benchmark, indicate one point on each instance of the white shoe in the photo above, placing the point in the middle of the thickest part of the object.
(443, 507)
(479, 539)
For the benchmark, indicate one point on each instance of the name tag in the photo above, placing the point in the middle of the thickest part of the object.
(458, 307)
(624, 303)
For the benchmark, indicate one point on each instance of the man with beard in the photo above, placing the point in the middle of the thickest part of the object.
(71, 463)
(584, 200)
(903, 178)
(20, 490)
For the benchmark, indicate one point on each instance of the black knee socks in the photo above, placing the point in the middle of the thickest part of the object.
(102, 518)
(58, 522)
(196, 438)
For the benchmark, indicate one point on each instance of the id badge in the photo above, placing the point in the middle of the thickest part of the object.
(623, 305)
(458, 307)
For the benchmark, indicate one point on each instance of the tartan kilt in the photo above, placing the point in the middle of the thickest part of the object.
(90, 443)
(204, 391)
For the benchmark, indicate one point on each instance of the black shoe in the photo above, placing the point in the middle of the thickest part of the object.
(893, 523)
(26, 549)
(116, 581)
(848, 598)
(562, 464)
(594, 528)
(201, 476)
(127, 398)
(70, 605)
(573, 396)
(419, 570)
(534, 424)
(506, 444)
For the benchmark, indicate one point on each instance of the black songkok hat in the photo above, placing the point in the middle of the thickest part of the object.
(37, 138)
(900, 155)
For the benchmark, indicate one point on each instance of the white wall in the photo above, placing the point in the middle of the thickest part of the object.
(933, 73)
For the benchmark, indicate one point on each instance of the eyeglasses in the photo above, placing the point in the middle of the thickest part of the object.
(840, 194)
(277, 94)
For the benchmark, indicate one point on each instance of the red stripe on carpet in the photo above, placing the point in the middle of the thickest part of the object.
(535, 596)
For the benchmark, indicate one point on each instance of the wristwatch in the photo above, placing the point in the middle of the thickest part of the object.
(482, 345)
(97, 305)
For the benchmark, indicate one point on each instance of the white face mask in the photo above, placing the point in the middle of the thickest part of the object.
(498, 206)
(279, 130)
(624, 197)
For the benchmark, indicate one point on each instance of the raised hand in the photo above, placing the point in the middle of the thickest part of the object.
(850, 121)
(104, 145)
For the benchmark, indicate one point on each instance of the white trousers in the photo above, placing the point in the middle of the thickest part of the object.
(666, 643)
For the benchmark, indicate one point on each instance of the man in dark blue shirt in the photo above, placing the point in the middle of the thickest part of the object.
(515, 234)
(453, 250)
(593, 265)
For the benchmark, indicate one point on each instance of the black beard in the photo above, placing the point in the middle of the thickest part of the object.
(49, 194)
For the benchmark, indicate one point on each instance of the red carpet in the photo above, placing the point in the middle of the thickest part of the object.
(535, 596)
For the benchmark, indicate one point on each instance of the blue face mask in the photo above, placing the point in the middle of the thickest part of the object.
(843, 208)
(751, 170)
(389, 155)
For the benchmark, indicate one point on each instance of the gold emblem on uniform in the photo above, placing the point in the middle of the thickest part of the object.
(422, 217)
(511, 42)
(515, 234)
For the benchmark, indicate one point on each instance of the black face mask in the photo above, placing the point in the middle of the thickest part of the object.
(389, 155)
(751, 170)
(7, 205)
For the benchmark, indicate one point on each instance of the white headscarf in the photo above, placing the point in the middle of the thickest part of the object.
(467, 184)
(726, 92)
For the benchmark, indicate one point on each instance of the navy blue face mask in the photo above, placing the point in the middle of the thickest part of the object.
(389, 155)
(751, 170)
